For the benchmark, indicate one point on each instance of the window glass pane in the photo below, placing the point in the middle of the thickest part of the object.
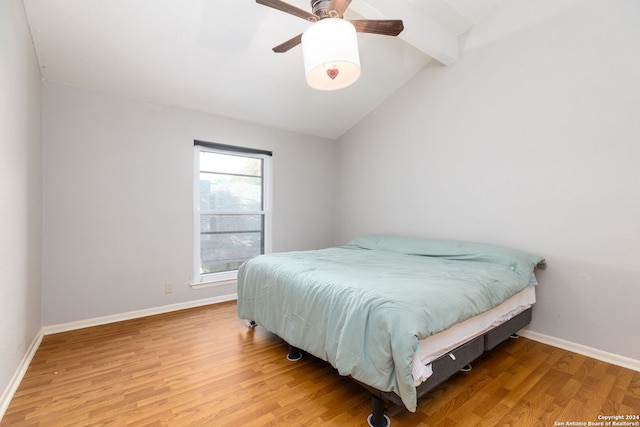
(232, 182)
(210, 224)
(226, 241)
(230, 164)
(230, 192)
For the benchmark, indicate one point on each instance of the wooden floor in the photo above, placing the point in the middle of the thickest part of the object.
(203, 367)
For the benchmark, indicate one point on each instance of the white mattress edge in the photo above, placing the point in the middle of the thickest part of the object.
(441, 343)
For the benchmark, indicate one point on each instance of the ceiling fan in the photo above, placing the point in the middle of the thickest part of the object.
(322, 9)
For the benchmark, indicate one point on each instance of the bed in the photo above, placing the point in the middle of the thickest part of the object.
(399, 315)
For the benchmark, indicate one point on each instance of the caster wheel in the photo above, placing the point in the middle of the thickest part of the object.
(386, 420)
(294, 354)
(251, 324)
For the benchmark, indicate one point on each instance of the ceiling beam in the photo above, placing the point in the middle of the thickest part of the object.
(420, 30)
(447, 12)
(471, 9)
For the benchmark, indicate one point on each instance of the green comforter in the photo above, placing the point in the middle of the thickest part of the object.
(364, 306)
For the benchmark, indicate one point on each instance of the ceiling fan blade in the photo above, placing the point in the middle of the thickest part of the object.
(286, 7)
(337, 7)
(386, 27)
(293, 42)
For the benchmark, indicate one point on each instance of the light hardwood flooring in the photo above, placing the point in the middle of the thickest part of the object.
(203, 367)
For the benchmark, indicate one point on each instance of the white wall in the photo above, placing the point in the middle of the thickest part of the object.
(532, 140)
(118, 200)
(20, 194)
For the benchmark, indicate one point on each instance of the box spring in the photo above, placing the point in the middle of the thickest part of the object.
(446, 366)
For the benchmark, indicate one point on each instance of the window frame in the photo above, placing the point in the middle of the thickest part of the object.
(228, 277)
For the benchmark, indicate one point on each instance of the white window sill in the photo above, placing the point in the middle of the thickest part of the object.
(213, 283)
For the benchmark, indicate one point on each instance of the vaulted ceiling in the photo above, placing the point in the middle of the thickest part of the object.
(215, 56)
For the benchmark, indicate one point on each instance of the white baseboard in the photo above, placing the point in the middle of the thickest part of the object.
(13, 385)
(614, 359)
(64, 327)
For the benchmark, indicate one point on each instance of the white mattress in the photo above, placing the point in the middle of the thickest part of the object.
(441, 343)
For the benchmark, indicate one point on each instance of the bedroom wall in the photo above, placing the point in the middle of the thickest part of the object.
(20, 196)
(118, 200)
(531, 141)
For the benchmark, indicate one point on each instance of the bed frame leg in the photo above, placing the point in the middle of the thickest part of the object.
(377, 417)
(294, 354)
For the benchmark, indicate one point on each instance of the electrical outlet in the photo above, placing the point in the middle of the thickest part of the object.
(168, 288)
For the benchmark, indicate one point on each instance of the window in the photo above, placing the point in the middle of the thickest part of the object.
(232, 209)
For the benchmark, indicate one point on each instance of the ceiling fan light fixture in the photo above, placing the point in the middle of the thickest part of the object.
(330, 51)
